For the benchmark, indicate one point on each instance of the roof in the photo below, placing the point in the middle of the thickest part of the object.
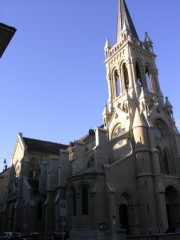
(4, 172)
(6, 34)
(124, 18)
(91, 133)
(43, 146)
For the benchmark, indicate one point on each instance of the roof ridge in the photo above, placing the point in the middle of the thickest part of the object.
(34, 139)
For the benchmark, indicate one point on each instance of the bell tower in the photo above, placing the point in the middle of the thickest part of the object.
(137, 114)
(132, 75)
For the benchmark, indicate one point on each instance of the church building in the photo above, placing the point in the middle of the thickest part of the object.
(122, 177)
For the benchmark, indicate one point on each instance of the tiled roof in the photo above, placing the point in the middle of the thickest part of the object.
(43, 146)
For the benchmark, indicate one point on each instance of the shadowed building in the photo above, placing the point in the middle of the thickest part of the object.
(6, 34)
(4, 179)
(122, 175)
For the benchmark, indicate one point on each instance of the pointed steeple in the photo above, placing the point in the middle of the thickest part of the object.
(168, 108)
(124, 18)
(168, 104)
(125, 27)
(106, 116)
(138, 120)
(148, 42)
(107, 44)
(105, 111)
(147, 38)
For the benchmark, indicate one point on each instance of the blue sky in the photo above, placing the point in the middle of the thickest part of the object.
(53, 80)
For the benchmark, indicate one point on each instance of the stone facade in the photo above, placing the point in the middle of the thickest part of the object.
(122, 176)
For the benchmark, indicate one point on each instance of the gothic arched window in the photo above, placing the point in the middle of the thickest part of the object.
(159, 131)
(166, 161)
(138, 75)
(118, 131)
(160, 160)
(84, 198)
(117, 83)
(148, 79)
(126, 77)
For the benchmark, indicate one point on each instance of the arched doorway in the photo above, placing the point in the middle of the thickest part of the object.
(172, 206)
(123, 216)
(124, 211)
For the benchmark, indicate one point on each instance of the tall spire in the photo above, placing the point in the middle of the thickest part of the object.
(122, 18)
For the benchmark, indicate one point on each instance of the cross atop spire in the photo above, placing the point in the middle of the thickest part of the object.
(124, 18)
